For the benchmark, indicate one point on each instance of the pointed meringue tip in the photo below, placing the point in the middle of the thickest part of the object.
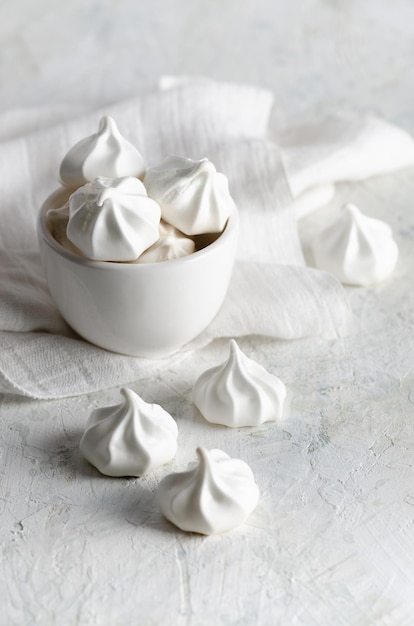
(106, 194)
(126, 392)
(233, 347)
(202, 454)
(351, 209)
(107, 122)
(206, 165)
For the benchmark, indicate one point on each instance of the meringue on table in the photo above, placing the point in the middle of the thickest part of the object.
(356, 249)
(129, 439)
(215, 496)
(239, 392)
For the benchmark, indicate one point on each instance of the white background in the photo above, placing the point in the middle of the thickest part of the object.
(309, 52)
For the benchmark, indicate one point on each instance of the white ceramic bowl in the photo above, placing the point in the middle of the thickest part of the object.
(149, 310)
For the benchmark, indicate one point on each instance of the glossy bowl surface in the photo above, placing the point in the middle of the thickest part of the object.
(148, 310)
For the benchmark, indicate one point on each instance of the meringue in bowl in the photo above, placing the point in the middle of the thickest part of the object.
(119, 266)
(139, 309)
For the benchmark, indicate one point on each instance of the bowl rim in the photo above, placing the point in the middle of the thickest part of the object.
(229, 231)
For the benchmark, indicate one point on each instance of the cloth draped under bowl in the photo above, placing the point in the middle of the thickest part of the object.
(273, 179)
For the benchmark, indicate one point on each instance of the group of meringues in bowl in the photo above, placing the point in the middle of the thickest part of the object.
(138, 260)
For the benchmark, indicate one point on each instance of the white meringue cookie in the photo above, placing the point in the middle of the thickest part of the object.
(214, 497)
(239, 392)
(112, 219)
(105, 153)
(193, 196)
(172, 244)
(356, 249)
(129, 439)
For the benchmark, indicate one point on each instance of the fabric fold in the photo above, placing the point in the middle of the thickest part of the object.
(343, 146)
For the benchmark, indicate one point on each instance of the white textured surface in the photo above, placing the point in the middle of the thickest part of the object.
(331, 541)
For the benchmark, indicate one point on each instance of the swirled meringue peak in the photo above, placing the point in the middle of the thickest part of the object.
(356, 249)
(193, 196)
(129, 439)
(172, 244)
(112, 219)
(105, 153)
(239, 392)
(215, 496)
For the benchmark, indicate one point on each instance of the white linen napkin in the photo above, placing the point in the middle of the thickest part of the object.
(272, 292)
(343, 146)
